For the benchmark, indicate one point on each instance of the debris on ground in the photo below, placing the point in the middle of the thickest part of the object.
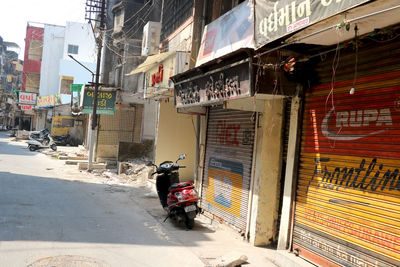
(151, 195)
(231, 259)
(127, 172)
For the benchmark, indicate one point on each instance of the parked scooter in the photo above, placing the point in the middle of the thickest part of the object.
(39, 135)
(47, 142)
(178, 199)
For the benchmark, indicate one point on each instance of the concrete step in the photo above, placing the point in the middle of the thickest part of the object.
(72, 158)
(84, 166)
(75, 162)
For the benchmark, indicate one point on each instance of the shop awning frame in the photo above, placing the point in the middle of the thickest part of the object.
(150, 62)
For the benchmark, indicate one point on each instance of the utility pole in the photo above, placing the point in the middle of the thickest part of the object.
(95, 11)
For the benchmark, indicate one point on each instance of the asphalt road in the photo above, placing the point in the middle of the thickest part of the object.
(48, 215)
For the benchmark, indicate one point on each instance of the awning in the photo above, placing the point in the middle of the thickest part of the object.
(150, 62)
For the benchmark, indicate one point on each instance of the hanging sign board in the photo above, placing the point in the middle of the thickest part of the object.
(76, 87)
(227, 83)
(105, 102)
(275, 19)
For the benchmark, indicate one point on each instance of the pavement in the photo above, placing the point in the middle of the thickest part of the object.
(121, 223)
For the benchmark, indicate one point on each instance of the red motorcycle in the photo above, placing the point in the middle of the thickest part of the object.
(178, 199)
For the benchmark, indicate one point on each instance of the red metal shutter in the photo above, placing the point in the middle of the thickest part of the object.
(348, 190)
(228, 165)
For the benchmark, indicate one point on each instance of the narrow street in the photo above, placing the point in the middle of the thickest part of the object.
(50, 212)
(44, 212)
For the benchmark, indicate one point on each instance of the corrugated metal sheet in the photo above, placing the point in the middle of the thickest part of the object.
(348, 190)
(228, 163)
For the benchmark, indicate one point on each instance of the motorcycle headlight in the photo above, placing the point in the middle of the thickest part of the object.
(179, 196)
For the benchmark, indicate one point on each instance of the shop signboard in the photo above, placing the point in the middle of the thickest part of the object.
(158, 78)
(76, 87)
(230, 32)
(27, 98)
(105, 101)
(227, 83)
(26, 107)
(48, 101)
(276, 19)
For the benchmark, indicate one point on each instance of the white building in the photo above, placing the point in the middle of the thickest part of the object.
(52, 52)
(79, 42)
(58, 70)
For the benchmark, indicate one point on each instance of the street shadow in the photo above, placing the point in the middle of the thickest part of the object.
(35, 208)
(7, 148)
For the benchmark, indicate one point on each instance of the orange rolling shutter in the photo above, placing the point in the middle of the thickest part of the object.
(347, 210)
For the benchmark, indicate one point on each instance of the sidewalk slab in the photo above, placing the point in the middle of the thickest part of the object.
(72, 158)
(284, 258)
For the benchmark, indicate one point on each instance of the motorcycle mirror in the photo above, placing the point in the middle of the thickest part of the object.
(181, 156)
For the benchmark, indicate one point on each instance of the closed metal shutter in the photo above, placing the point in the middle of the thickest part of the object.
(348, 188)
(228, 165)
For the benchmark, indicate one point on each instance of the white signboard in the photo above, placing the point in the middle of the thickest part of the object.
(27, 98)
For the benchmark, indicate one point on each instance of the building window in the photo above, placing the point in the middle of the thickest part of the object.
(73, 49)
(175, 13)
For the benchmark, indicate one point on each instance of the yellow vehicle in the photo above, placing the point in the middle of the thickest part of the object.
(61, 125)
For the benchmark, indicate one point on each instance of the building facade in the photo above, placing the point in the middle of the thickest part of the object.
(10, 82)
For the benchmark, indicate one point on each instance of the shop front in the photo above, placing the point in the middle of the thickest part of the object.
(228, 160)
(347, 207)
(175, 132)
(241, 147)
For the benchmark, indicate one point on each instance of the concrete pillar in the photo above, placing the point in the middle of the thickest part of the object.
(264, 211)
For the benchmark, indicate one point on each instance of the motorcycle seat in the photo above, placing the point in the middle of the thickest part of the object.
(179, 185)
(173, 186)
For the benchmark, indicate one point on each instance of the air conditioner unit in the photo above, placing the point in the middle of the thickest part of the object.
(151, 38)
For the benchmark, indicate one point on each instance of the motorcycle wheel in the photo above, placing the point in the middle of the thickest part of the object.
(32, 148)
(53, 147)
(189, 223)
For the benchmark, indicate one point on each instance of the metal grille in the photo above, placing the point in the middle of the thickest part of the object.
(175, 13)
(348, 191)
(228, 164)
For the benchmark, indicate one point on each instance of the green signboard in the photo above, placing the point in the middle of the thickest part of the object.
(105, 102)
(76, 87)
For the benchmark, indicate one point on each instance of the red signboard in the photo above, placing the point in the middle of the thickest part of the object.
(26, 107)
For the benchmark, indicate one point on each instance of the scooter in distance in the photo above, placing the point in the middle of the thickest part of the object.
(178, 199)
(47, 142)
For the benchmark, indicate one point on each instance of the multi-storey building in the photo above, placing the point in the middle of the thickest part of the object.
(130, 132)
